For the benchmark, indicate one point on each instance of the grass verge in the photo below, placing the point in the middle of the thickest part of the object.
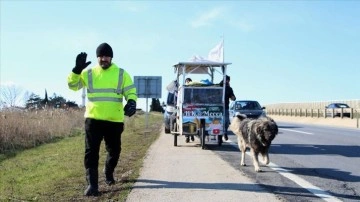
(55, 171)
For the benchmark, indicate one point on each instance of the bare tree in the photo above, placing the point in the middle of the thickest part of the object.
(10, 95)
(26, 96)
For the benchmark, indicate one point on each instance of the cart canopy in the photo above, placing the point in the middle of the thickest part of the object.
(198, 66)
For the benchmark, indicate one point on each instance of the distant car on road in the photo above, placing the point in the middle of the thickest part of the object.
(334, 109)
(251, 108)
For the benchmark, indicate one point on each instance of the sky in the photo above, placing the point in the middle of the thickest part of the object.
(281, 51)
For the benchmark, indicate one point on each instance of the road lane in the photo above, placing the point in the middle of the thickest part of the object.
(329, 159)
(298, 131)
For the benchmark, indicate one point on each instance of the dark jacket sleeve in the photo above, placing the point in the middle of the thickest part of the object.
(229, 92)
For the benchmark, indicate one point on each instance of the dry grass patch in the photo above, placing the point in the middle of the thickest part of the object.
(55, 171)
(27, 129)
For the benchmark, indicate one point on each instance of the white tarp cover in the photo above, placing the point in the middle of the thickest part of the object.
(198, 65)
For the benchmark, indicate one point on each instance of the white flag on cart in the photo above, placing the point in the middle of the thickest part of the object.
(217, 53)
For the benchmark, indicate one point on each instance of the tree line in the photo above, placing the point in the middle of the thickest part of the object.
(156, 106)
(11, 97)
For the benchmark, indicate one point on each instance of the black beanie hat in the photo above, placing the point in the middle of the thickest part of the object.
(104, 49)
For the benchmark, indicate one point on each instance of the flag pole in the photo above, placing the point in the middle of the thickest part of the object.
(223, 53)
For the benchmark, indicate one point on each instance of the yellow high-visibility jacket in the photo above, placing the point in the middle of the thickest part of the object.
(105, 91)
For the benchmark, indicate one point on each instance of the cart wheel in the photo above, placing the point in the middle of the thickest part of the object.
(220, 141)
(175, 140)
(202, 138)
(202, 133)
(175, 135)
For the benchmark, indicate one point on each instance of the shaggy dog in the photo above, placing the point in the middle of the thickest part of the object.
(256, 134)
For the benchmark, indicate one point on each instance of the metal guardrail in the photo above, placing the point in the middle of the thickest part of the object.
(351, 113)
(313, 105)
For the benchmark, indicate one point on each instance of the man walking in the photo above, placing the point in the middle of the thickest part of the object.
(106, 86)
(229, 95)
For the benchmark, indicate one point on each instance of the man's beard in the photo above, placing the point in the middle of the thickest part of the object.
(105, 64)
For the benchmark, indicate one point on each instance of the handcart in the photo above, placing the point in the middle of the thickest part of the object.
(200, 106)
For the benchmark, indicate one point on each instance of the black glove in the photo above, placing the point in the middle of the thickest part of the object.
(130, 108)
(80, 63)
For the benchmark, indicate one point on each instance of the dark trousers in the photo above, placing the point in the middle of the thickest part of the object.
(227, 121)
(95, 132)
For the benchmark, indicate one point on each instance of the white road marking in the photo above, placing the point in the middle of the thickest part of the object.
(297, 131)
(298, 180)
(303, 183)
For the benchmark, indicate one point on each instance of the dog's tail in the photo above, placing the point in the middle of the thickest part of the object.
(240, 116)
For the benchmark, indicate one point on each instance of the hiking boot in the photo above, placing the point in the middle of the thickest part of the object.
(91, 191)
(109, 175)
(109, 180)
(92, 179)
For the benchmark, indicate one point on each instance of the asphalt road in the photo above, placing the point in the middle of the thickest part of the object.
(308, 163)
(187, 173)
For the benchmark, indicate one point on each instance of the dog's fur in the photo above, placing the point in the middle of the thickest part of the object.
(256, 134)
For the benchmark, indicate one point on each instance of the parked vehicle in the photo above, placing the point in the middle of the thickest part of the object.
(251, 108)
(335, 109)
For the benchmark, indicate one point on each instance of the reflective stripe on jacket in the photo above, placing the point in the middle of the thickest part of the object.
(105, 91)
